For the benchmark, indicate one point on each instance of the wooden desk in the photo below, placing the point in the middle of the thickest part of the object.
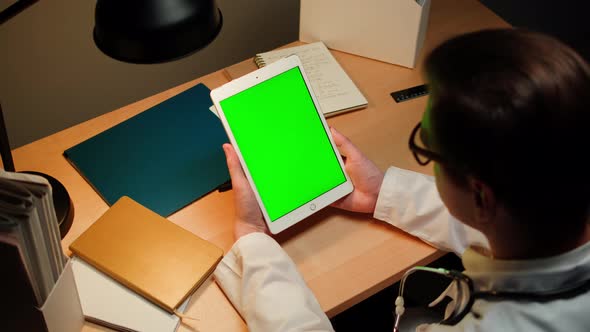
(344, 257)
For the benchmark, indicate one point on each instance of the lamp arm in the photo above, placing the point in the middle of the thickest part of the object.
(5, 145)
(14, 9)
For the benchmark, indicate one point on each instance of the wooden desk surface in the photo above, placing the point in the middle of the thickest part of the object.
(344, 257)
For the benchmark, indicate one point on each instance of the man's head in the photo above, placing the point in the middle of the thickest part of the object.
(509, 114)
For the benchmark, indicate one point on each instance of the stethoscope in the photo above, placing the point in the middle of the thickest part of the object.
(465, 284)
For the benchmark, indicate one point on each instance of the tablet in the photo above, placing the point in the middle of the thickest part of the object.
(283, 142)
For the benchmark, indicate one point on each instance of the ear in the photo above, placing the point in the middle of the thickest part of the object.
(484, 201)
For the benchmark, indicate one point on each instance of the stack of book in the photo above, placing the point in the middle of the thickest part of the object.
(135, 270)
(33, 282)
(132, 269)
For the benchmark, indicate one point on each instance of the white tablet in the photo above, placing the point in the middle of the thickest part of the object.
(283, 142)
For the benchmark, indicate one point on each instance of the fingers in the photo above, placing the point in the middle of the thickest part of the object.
(230, 158)
(248, 215)
(233, 164)
(345, 146)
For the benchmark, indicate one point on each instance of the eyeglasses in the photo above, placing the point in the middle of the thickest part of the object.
(422, 154)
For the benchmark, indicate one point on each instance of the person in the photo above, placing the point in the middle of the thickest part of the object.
(506, 130)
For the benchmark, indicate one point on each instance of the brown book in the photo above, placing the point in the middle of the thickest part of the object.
(152, 256)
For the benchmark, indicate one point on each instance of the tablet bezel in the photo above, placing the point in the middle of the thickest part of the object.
(249, 80)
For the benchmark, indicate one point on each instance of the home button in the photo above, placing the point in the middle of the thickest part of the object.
(312, 206)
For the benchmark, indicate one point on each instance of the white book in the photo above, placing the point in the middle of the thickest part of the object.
(334, 89)
(30, 240)
(106, 302)
(42, 198)
(18, 204)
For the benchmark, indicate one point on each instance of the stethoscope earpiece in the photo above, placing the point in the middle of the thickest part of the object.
(399, 306)
(399, 301)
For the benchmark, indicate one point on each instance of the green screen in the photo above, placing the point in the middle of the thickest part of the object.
(283, 142)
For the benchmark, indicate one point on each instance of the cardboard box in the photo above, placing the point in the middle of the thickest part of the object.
(392, 31)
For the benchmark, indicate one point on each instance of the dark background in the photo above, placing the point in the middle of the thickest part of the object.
(52, 76)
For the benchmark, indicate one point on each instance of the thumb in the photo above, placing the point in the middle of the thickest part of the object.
(345, 146)
(233, 164)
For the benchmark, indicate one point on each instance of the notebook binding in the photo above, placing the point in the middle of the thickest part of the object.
(259, 61)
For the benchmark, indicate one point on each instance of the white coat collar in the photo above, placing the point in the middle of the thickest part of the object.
(544, 275)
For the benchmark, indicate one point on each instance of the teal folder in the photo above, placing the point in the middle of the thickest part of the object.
(163, 158)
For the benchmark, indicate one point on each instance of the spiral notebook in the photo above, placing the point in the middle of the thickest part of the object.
(335, 91)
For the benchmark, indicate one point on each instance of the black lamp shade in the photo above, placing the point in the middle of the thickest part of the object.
(152, 31)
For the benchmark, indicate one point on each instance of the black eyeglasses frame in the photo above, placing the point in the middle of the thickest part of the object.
(417, 151)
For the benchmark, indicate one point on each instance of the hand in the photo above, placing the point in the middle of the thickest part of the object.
(248, 215)
(365, 176)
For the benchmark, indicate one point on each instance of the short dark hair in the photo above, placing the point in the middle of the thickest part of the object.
(513, 108)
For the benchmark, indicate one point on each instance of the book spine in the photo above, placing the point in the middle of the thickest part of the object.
(259, 61)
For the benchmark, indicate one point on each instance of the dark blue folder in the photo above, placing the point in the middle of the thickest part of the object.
(164, 158)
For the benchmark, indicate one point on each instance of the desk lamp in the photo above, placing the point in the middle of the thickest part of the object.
(135, 31)
(155, 31)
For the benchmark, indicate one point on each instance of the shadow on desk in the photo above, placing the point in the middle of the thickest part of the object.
(376, 313)
(316, 219)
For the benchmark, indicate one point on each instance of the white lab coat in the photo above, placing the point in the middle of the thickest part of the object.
(263, 283)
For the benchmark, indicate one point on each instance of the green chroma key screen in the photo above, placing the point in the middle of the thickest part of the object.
(283, 142)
